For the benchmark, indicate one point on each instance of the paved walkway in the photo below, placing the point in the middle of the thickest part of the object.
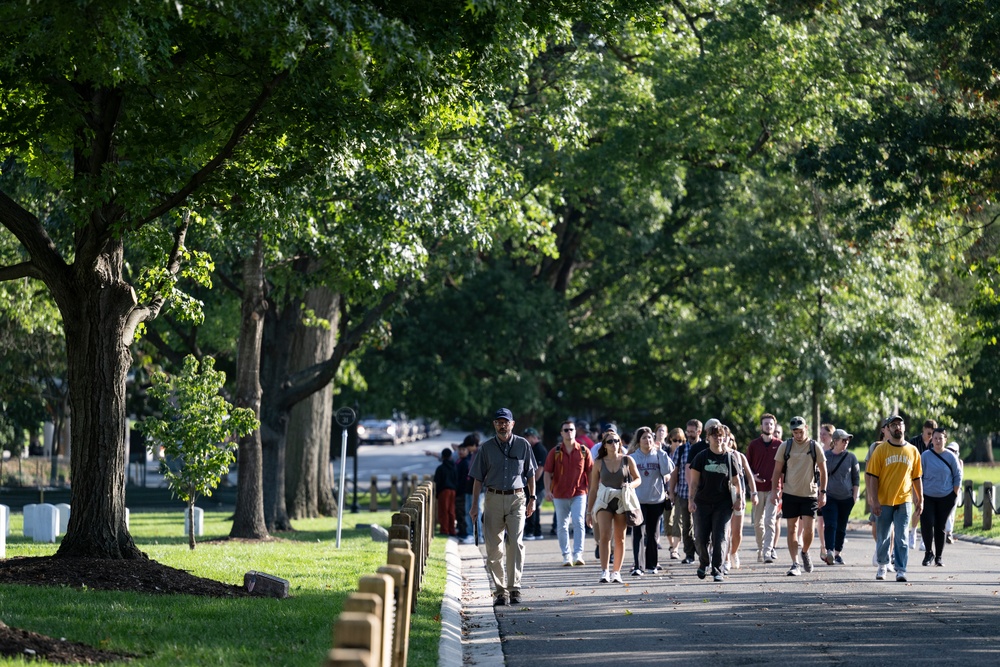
(835, 615)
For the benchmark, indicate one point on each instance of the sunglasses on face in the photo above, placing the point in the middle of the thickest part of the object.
(567, 430)
(612, 441)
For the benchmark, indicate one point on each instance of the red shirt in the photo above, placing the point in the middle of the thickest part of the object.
(570, 471)
(760, 456)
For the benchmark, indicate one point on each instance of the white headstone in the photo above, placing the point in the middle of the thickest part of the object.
(64, 511)
(29, 520)
(199, 521)
(5, 514)
(128, 516)
(46, 523)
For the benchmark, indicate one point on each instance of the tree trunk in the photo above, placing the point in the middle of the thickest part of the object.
(278, 335)
(308, 442)
(983, 451)
(248, 520)
(96, 322)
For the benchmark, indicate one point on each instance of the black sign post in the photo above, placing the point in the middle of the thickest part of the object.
(344, 417)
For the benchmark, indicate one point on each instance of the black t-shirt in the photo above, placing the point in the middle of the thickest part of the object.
(713, 485)
(696, 449)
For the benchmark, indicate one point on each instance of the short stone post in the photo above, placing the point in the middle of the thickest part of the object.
(969, 503)
(373, 495)
(381, 586)
(199, 521)
(393, 494)
(46, 523)
(358, 630)
(987, 505)
(348, 657)
(29, 520)
(64, 510)
(401, 614)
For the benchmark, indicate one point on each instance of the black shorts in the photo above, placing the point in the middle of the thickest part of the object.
(793, 507)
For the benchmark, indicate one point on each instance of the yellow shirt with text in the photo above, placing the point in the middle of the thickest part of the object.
(896, 466)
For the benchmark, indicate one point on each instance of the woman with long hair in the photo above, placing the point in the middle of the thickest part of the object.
(604, 501)
(654, 466)
(748, 487)
(711, 502)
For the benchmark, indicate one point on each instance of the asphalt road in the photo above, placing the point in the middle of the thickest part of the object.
(835, 615)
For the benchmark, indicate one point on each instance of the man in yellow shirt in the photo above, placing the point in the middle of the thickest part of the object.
(892, 477)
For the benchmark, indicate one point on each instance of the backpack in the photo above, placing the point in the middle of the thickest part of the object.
(812, 453)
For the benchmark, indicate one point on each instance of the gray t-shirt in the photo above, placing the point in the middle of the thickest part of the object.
(652, 468)
(503, 466)
(840, 481)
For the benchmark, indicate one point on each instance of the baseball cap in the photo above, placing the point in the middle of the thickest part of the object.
(952, 446)
(503, 413)
(797, 422)
(609, 427)
(530, 431)
(841, 434)
(891, 418)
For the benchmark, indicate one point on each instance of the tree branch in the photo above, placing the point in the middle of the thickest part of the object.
(150, 311)
(47, 263)
(22, 270)
(306, 382)
(241, 129)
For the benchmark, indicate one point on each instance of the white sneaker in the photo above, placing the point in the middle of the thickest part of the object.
(900, 576)
(616, 577)
(890, 567)
(578, 560)
(880, 573)
(605, 576)
(567, 561)
(736, 561)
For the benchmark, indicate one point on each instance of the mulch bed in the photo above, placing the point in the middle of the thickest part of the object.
(142, 576)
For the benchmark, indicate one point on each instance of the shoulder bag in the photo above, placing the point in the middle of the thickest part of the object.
(630, 499)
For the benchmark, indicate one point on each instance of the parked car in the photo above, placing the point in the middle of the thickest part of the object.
(378, 431)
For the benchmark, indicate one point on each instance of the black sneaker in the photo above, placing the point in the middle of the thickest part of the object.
(687, 561)
(637, 572)
(937, 561)
(928, 557)
(501, 600)
(701, 573)
(515, 597)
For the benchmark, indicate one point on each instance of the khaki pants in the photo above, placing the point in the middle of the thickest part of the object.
(766, 527)
(504, 557)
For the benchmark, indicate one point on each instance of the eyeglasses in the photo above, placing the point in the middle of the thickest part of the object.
(567, 430)
(612, 441)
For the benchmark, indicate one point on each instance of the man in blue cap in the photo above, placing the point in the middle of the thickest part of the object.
(504, 470)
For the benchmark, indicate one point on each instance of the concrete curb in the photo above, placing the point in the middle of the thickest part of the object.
(450, 646)
(480, 631)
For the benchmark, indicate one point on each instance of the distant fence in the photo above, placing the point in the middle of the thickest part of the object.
(373, 630)
(986, 503)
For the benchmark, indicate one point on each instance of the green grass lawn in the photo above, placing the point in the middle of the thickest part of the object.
(180, 629)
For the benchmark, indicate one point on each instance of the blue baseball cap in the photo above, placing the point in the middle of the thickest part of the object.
(503, 413)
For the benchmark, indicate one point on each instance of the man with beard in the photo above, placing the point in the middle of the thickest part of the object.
(893, 479)
(760, 455)
(796, 488)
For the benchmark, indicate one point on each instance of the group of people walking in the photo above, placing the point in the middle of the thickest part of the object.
(699, 489)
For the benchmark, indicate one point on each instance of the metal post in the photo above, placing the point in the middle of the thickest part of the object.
(340, 488)
(354, 505)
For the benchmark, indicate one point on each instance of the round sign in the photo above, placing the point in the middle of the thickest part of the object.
(344, 416)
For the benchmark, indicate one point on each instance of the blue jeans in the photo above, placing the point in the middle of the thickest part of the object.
(836, 512)
(895, 519)
(571, 510)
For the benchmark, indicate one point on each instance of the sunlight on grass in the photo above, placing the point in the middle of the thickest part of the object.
(179, 629)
